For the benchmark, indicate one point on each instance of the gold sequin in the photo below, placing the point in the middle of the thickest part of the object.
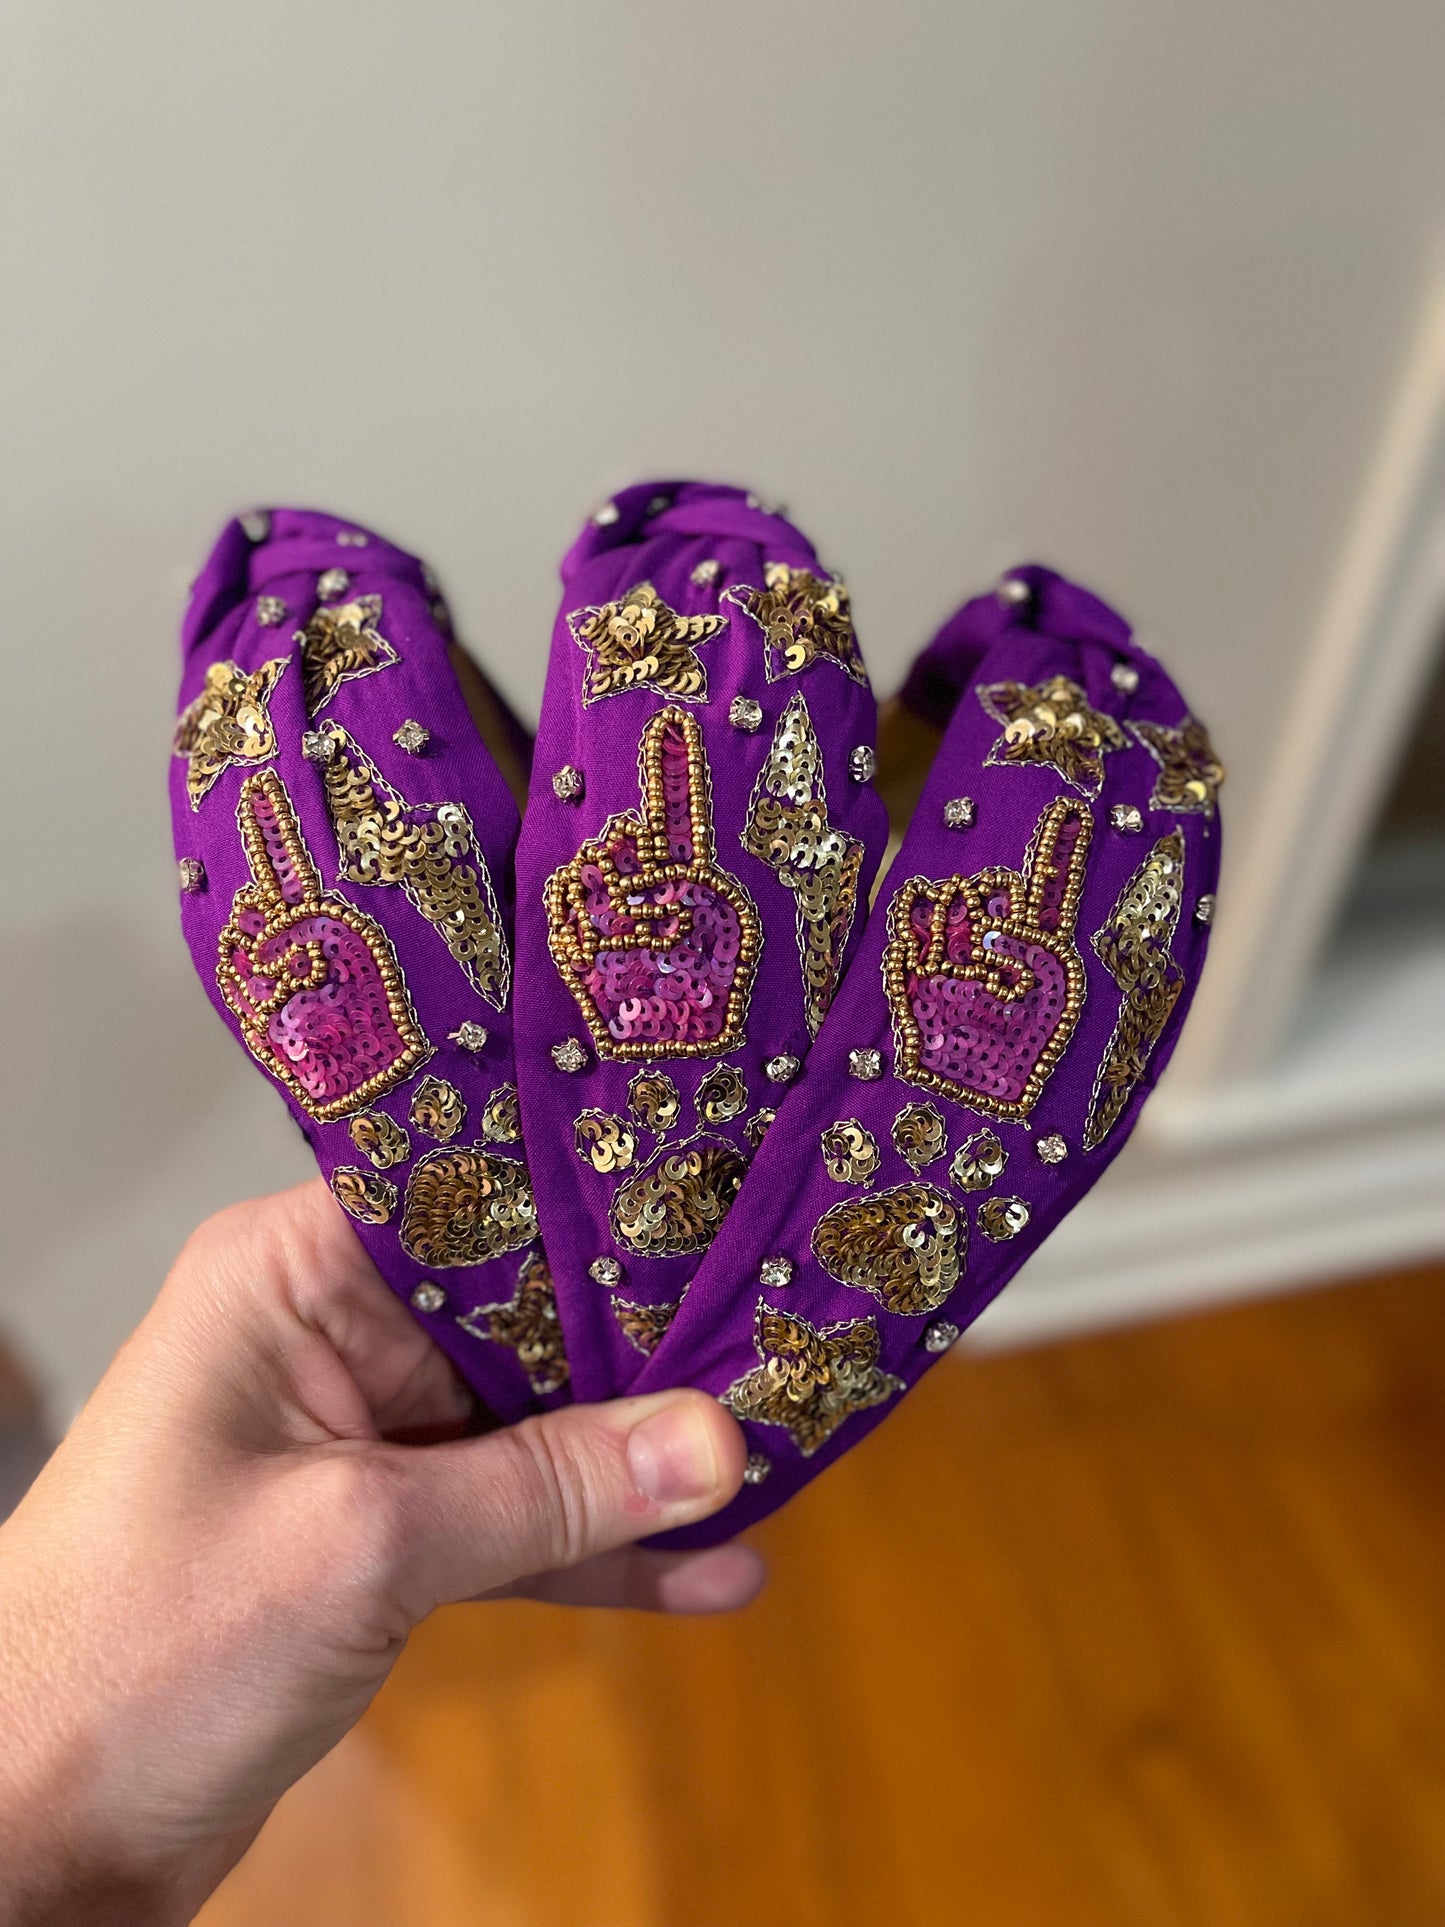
(804, 619)
(788, 829)
(368, 1198)
(677, 1202)
(501, 1116)
(979, 1161)
(1000, 1219)
(721, 1095)
(1190, 774)
(437, 1109)
(606, 1142)
(381, 1139)
(338, 644)
(757, 1126)
(638, 642)
(653, 1099)
(812, 1377)
(1049, 725)
(918, 1135)
(644, 1326)
(850, 1152)
(428, 851)
(905, 1245)
(465, 1206)
(528, 1325)
(1135, 947)
(229, 722)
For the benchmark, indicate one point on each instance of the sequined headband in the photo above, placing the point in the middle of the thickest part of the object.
(778, 1144)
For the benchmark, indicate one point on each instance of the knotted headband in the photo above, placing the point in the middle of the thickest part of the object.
(778, 1145)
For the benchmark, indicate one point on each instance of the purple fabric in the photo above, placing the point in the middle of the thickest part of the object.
(658, 901)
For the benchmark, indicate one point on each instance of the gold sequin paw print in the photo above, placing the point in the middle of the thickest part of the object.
(904, 1245)
(466, 1205)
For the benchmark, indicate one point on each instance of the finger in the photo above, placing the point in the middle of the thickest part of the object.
(637, 1579)
(1054, 866)
(674, 788)
(554, 1491)
(280, 862)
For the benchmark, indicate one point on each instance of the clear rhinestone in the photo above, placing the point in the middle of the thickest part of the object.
(257, 524)
(758, 1467)
(429, 577)
(606, 515)
(1125, 678)
(744, 713)
(706, 573)
(958, 812)
(774, 1273)
(352, 539)
(331, 583)
(605, 1271)
(192, 874)
(568, 783)
(938, 1336)
(1052, 1149)
(270, 610)
(428, 1296)
(1127, 817)
(753, 501)
(658, 504)
(470, 1036)
(783, 1068)
(865, 1064)
(318, 746)
(412, 737)
(569, 1056)
(862, 763)
(441, 615)
(1204, 910)
(1013, 592)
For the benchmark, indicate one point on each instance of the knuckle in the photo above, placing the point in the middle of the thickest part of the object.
(356, 1522)
(558, 1490)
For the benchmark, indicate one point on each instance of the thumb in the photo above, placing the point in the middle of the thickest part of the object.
(548, 1493)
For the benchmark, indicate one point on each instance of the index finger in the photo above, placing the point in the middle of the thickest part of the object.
(280, 861)
(677, 822)
(1054, 867)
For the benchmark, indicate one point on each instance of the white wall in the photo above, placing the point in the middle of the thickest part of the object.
(1121, 285)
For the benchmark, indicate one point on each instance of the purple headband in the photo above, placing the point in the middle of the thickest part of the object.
(780, 1146)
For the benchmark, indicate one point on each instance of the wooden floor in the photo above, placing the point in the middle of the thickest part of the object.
(1144, 1630)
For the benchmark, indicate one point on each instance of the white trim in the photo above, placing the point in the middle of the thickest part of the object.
(1373, 650)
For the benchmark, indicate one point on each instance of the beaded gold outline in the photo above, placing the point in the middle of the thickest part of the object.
(564, 892)
(1023, 890)
(281, 916)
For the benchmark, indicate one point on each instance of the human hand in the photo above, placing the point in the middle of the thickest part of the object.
(221, 1564)
(983, 975)
(655, 941)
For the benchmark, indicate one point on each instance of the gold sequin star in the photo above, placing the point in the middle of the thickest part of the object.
(229, 722)
(638, 642)
(527, 1325)
(1051, 726)
(340, 643)
(812, 1377)
(1189, 771)
(805, 618)
(644, 1326)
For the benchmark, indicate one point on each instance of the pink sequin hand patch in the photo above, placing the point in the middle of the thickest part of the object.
(983, 977)
(313, 982)
(656, 943)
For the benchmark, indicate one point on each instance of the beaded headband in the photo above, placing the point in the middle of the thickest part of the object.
(778, 1145)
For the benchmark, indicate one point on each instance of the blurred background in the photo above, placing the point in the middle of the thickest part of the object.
(1155, 294)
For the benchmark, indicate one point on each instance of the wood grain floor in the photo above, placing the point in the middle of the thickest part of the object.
(1143, 1630)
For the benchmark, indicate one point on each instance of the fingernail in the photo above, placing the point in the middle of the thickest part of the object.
(671, 1457)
